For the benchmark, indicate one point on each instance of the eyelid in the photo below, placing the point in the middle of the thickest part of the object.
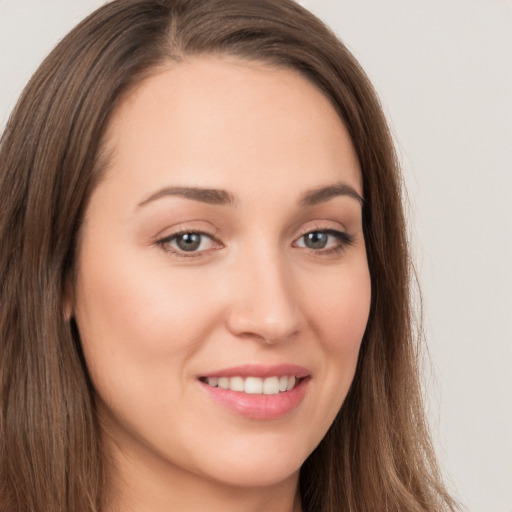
(345, 239)
(165, 242)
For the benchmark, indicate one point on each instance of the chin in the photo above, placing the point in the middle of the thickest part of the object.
(261, 476)
(257, 467)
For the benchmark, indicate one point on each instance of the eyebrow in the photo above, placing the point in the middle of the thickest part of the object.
(323, 194)
(204, 195)
(224, 198)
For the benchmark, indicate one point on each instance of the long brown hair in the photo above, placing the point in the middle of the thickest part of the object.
(377, 454)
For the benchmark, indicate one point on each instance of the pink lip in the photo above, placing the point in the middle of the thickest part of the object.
(255, 370)
(261, 407)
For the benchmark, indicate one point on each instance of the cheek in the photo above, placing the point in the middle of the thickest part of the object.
(339, 311)
(137, 338)
(135, 306)
(138, 326)
(341, 315)
(341, 308)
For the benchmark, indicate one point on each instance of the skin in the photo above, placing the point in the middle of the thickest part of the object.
(153, 318)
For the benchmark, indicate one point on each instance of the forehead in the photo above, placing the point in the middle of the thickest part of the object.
(212, 120)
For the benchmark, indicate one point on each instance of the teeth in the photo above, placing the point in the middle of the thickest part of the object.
(236, 384)
(254, 385)
(223, 383)
(271, 386)
(291, 383)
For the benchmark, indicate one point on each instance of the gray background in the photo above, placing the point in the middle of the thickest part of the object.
(444, 73)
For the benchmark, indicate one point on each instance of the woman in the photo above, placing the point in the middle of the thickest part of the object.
(204, 274)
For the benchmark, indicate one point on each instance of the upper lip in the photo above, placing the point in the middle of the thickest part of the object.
(258, 370)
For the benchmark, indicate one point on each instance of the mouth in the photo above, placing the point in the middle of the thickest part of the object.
(256, 391)
(252, 385)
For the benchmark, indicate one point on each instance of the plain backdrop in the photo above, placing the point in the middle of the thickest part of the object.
(443, 70)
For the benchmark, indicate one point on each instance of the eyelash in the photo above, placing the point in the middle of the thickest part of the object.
(343, 238)
(164, 243)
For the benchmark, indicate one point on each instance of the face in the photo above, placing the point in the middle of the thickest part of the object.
(222, 286)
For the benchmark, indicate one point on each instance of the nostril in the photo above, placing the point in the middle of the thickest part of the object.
(251, 324)
(265, 304)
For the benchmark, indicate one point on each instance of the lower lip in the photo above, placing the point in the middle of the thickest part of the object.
(260, 407)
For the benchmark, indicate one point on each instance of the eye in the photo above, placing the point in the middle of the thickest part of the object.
(188, 243)
(324, 240)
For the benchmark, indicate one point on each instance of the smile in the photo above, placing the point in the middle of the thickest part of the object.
(262, 392)
(254, 385)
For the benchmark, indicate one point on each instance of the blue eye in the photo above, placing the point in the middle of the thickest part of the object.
(188, 242)
(326, 239)
(316, 240)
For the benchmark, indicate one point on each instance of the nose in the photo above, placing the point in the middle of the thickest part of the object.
(264, 303)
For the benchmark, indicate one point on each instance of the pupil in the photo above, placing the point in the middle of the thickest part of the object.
(189, 241)
(316, 240)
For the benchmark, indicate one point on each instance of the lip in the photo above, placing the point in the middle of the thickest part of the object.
(259, 407)
(256, 370)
